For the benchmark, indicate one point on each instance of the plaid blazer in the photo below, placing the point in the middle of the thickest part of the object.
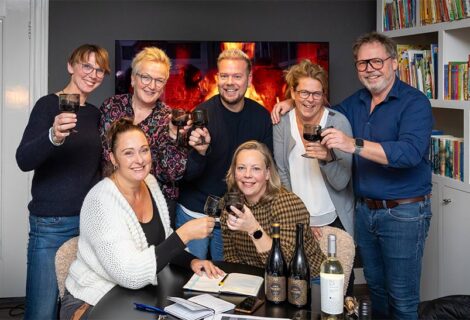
(287, 209)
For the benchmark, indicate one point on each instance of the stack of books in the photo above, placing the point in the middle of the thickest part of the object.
(446, 156)
(457, 80)
(418, 67)
(399, 14)
(435, 11)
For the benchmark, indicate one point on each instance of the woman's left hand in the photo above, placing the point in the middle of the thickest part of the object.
(241, 220)
(212, 271)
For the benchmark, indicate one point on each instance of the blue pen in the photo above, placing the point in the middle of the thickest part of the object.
(147, 308)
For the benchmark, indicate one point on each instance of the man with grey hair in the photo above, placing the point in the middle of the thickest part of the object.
(233, 119)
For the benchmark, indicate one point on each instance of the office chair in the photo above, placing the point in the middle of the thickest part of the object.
(63, 259)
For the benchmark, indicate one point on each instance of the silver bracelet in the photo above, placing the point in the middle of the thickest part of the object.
(52, 136)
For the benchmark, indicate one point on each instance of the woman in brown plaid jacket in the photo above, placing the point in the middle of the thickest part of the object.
(246, 233)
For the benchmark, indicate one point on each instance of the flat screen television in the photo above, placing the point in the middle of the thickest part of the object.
(194, 68)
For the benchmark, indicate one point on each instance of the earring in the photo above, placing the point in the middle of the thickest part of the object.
(115, 167)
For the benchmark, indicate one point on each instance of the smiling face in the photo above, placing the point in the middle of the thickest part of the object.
(147, 94)
(378, 82)
(233, 81)
(309, 108)
(251, 174)
(131, 156)
(83, 82)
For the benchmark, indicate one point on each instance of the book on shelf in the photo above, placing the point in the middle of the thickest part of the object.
(234, 283)
(399, 14)
(198, 307)
(456, 80)
(435, 11)
(446, 155)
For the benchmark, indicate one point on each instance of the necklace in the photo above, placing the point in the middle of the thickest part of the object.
(130, 198)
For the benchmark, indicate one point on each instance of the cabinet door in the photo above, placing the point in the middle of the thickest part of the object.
(430, 264)
(455, 226)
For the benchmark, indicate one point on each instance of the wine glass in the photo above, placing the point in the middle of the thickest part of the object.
(179, 117)
(212, 208)
(312, 133)
(200, 120)
(235, 199)
(69, 102)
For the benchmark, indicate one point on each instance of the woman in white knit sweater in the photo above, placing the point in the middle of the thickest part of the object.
(125, 228)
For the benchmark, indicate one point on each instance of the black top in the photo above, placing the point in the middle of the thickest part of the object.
(64, 174)
(169, 250)
(206, 174)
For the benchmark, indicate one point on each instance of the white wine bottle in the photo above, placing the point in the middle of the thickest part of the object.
(331, 283)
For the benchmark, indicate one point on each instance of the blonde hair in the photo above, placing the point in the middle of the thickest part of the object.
(82, 53)
(274, 183)
(151, 54)
(235, 54)
(305, 69)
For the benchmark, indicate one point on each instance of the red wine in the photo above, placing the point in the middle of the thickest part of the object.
(69, 107)
(200, 123)
(212, 212)
(239, 206)
(180, 121)
(298, 283)
(312, 137)
(276, 269)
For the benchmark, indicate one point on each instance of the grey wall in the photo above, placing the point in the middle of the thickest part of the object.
(73, 22)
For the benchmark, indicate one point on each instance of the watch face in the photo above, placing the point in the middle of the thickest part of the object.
(359, 142)
(258, 234)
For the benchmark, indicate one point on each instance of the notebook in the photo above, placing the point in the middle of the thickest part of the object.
(236, 283)
(197, 307)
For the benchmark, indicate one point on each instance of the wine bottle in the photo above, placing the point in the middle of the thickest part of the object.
(298, 283)
(276, 269)
(331, 283)
(365, 310)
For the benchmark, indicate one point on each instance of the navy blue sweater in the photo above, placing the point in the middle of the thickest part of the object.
(64, 174)
(206, 174)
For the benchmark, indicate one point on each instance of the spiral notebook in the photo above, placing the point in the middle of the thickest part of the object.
(198, 307)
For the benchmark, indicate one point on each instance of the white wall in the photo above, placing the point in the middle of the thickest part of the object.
(23, 78)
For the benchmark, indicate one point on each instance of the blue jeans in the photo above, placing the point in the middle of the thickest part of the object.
(46, 235)
(391, 243)
(201, 247)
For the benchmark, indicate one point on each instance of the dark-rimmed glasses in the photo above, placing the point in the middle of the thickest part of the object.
(88, 68)
(375, 63)
(147, 80)
(304, 94)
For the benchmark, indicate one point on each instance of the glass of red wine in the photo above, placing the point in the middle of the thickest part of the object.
(212, 208)
(200, 120)
(179, 117)
(69, 102)
(235, 199)
(311, 133)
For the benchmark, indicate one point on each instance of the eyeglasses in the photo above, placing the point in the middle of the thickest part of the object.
(147, 80)
(88, 68)
(375, 63)
(304, 94)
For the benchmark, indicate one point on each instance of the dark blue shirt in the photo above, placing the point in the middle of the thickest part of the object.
(402, 124)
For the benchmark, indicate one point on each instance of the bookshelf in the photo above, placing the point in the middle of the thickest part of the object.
(445, 264)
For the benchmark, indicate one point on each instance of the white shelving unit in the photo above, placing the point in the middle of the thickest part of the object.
(446, 260)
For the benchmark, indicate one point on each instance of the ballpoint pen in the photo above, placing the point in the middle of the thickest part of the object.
(147, 308)
(221, 283)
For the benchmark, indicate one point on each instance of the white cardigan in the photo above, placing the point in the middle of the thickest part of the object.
(112, 247)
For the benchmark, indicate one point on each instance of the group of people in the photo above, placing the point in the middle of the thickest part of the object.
(149, 206)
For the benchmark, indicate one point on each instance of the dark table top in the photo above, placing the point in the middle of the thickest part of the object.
(119, 302)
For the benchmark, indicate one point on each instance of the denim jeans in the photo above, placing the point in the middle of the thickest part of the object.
(391, 243)
(46, 235)
(200, 248)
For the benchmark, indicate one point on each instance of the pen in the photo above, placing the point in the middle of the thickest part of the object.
(221, 283)
(147, 308)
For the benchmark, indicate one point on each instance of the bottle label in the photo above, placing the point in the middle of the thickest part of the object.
(275, 288)
(298, 290)
(331, 286)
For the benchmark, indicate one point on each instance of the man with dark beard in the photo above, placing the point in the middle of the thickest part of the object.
(233, 119)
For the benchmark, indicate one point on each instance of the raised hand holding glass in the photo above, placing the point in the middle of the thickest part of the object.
(69, 102)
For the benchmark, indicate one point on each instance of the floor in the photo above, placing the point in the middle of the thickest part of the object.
(13, 308)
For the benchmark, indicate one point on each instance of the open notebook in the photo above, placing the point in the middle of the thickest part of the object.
(236, 283)
(197, 307)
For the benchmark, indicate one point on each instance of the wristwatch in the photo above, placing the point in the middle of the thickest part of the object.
(358, 145)
(257, 234)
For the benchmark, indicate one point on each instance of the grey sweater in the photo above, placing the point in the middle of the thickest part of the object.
(336, 174)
